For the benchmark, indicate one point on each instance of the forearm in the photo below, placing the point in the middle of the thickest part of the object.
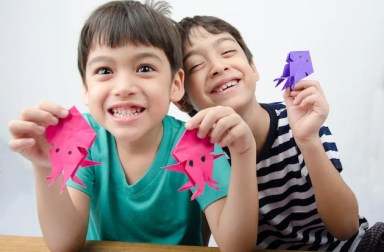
(336, 203)
(237, 227)
(63, 227)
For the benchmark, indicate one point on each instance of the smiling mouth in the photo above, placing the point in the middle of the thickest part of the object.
(225, 86)
(126, 112)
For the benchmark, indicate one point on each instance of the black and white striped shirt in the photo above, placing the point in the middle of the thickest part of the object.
(288, 217)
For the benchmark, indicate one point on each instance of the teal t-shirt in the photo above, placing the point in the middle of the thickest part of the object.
(152, 210)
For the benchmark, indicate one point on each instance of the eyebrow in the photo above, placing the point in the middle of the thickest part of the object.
(215, 43)
(106, 58)
(98, 59)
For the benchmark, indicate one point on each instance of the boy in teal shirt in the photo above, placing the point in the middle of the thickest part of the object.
(130, 61)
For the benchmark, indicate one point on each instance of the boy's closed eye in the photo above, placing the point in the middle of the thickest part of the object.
(229, 52)
(195, 67)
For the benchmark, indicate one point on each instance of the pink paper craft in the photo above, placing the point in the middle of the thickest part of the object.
(195, 159)
(299, 65)
(70, 139)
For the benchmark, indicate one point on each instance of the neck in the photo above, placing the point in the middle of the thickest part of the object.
(258, 120)
(136, 157)
(145, 145)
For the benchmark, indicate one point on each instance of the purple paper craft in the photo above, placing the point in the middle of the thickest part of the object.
(299, 65)
(195, 159)
(70, 139)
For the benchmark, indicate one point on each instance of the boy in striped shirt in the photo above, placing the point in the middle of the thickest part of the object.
(304, 204)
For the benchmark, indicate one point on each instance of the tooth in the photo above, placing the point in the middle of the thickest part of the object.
(119, 112)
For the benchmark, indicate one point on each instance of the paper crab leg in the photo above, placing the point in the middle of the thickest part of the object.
(186, 186)
(77, 180)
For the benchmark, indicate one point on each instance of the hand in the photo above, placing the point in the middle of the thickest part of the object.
(225, 127)
(28, 131)
(307, 109)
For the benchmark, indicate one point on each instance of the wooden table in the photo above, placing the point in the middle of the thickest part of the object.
(34, 244)
(11, 243)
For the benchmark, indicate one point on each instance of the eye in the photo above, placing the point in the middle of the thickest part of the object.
(203, 159)
(57, 150)
(103, 71)
(190, 163)
(145, 69)
(194, 67)
(228, 52)
(69, 152)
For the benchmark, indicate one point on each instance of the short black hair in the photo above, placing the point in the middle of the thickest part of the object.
(119, 22)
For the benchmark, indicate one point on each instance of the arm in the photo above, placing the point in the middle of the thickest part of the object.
(233, 220)
(336, 203)
(63, 217)
(205, 231)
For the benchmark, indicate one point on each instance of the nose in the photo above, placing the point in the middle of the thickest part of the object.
(218, 67)
(125, 85)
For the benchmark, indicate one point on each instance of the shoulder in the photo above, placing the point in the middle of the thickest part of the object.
(275, 109)
(173, 127)
(278, 125)
(103, 137)
(170, 121)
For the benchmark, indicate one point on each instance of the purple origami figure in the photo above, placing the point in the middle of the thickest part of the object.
(70, 139)
(299, 65)
(195, 159)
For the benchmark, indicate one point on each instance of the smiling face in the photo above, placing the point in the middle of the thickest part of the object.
(129, 88)
(217, 71)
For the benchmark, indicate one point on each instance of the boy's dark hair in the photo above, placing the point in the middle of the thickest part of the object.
(212, 25)
(119, 22)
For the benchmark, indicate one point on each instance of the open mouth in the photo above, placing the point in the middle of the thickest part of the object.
(225, 86)
(126, 112)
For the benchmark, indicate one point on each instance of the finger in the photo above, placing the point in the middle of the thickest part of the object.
(303, 84)
(19, 145)
(25, 129)
(194, 122)
(223, 126)
(288, 97)
(308, 101)
(53, 108)
(232, 135)
(39, 116)
(206, 119)
(300, 96)
(212, 118)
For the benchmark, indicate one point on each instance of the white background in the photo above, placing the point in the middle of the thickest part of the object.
(38, 50)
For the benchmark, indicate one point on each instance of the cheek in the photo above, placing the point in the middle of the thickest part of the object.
(193, 91)
(194, 84)
(95, 96)
(197, 98)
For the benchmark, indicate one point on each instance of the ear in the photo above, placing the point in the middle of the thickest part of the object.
(177, 86)
(85, 94)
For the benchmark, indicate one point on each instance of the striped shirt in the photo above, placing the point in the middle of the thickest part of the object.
(288, 217)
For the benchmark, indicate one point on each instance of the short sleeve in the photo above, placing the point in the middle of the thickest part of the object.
(221, 173)
(330, 147)
(86, 175)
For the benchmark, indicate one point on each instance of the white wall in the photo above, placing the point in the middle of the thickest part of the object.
(346, 39)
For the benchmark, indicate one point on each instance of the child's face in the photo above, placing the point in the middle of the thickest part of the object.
(217, 71)
(129, 88)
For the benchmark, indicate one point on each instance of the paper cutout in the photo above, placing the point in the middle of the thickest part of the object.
(70, 139)
(299, 65)
(195, 159)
